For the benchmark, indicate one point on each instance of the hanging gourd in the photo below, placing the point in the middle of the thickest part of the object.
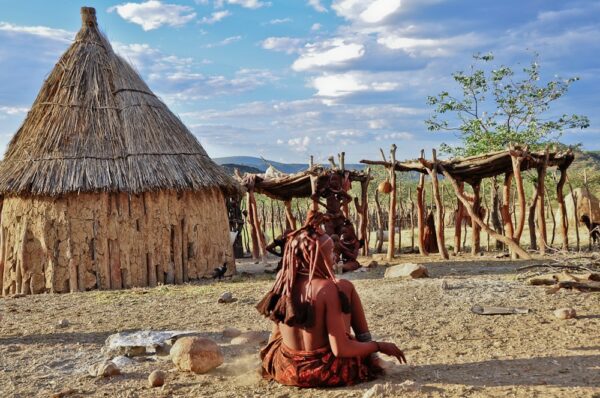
(385, 187)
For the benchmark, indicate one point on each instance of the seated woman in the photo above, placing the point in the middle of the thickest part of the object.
(313, 314)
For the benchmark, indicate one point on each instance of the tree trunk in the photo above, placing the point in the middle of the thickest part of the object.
(475, 227)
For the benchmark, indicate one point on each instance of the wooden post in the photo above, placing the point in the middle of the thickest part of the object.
(541, 203)
(574, 197)
(421, 214)
(517, 159)
(475, 227)
(362, 210)
(475, 217)
(590, 207)
(412, 221)
(253, 231)
(313, 189)
(272, 220)
(289, 215)
(392, 214)
(379, 214)
(439, 230)
(458, 220)
(505, 209)
(531, 220)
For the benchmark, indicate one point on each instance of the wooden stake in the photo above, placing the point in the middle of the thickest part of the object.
(439, 223)
(379, 216)
(475, 227)
(574, 197)
(421, 213)
(541, 203)
(505, 209)
(392, 213)
(458, 220)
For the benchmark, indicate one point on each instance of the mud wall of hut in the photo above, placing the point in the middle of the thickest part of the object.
(111, 240)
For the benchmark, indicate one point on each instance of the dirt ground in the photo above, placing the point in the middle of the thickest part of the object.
(451, 351)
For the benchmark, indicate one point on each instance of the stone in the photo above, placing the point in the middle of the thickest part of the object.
(196, 354)
(63, 393)
(252, 337)
(565, 313)
(104, 369)
(384, 390)
(63, 323)
(226, 297)
(122, 361)
(231, 332)
(142, 342)
(372, 264)
(157, 378)
(406, 270)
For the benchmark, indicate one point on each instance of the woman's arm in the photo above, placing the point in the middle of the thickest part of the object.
(341, 345)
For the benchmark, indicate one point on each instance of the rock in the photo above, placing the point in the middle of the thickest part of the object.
(122, 361)
(231, 332)
(104, 369)
(157, 378)
(372, 264)
(63, 323)
(565, 313)
(444, 285)
(142, 342)
(252, 337)
(226, 297)
(391, 390)
(406, 270)
(196, 354)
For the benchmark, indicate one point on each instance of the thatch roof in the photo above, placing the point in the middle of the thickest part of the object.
(474, 168)
(96, 126)
(288, 186)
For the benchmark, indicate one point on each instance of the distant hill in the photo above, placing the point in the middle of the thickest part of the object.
(259, 164)
(242, 168)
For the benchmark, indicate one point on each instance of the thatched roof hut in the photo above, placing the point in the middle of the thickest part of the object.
(103, 186)
(587, 204)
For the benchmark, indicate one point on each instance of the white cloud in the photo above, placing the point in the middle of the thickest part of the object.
(279, 21)
(252, 4)
(427, 47)
(394, 136)
(215, 17)
(329, 53)
(288, 45)
(40, 31)
(224, 42)
(379, 10)
(13, 110)
(153, 14)
(299, 144)
(316, 4)
(315, 27)
(343, 84)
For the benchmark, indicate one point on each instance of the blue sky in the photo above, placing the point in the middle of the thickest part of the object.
(287, 79)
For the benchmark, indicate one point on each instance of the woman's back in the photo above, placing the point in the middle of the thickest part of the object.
(315, 336)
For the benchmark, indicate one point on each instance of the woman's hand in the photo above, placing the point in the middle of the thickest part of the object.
(392, 350)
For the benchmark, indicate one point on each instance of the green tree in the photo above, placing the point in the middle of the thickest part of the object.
(495, 107)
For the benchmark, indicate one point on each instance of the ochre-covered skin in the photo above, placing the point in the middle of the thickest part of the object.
(90, 241)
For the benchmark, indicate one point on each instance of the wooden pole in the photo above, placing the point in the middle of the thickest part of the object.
(517, 159)
(421, 213)
(362, 209)
(458, 220)
(541, 203)
(412, 221)
(505, 209)
(439, 230)
(475, 227)
(253, 232)
(574, 197)
(289, 215)
(379, 215)
(475, 217)
(590, 208)
(392, 214)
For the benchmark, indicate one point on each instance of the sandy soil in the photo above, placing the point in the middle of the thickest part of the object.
(451, 351)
